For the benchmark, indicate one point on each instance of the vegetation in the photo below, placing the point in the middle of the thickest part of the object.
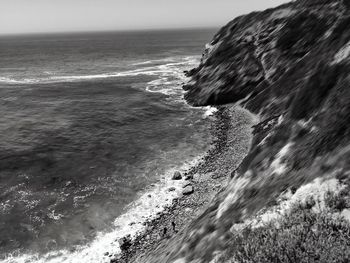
(346, 4)
(301, 236)
(301, 32)
(306, 103)
(311, 96)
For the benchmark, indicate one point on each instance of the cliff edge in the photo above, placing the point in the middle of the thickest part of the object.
(289, 200)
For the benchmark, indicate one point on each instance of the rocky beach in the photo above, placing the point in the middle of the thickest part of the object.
(231, 128)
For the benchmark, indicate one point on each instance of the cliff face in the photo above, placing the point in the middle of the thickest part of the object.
(290, 66)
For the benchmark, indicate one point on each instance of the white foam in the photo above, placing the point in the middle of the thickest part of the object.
(150, 203)
(171, 69)
(162, 60)
(147, 207)
(9, 80)
(171, 76)
(209, 111)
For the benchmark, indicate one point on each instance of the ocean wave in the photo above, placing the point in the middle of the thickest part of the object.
(171, 77)
(145, 208)
(72, 78)
(153, 61)
(8, 80)
(163, 69)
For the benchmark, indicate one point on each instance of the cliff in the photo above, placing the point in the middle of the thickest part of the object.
(289, 200)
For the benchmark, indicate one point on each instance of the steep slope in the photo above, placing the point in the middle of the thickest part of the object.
(290, 66)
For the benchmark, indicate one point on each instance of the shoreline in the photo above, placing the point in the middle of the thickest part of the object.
(231, 131)
(108, 242)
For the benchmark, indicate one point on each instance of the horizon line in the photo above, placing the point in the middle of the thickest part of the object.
(106, 31)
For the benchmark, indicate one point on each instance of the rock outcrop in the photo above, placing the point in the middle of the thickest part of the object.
(291, 67)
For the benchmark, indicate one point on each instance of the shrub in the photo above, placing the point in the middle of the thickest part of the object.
(301, 236)
(346, 4)
(338, 201)
(341, 28)
(311, 96)
(315, 2)
(304, 27)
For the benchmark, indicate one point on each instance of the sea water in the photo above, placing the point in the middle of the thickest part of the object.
(92, 127)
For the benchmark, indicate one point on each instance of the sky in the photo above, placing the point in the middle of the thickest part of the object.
(37, 16)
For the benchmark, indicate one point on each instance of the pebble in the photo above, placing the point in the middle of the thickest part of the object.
(215, 175)
(154, 225)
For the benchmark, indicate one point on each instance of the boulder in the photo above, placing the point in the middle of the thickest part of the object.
(125, 243)
(177, 176)
(189, 177)
(188, 190)
(171, 189)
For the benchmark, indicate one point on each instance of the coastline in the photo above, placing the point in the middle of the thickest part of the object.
(231, 130)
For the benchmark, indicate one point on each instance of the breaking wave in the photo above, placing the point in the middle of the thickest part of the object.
(146, 207)
(168, 80)
(165, 70)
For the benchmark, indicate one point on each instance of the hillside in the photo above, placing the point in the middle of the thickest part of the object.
(289, 200)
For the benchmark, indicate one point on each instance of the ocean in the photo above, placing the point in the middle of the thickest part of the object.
(92, 127)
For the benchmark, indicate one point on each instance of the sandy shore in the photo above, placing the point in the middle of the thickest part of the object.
(231, 130)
